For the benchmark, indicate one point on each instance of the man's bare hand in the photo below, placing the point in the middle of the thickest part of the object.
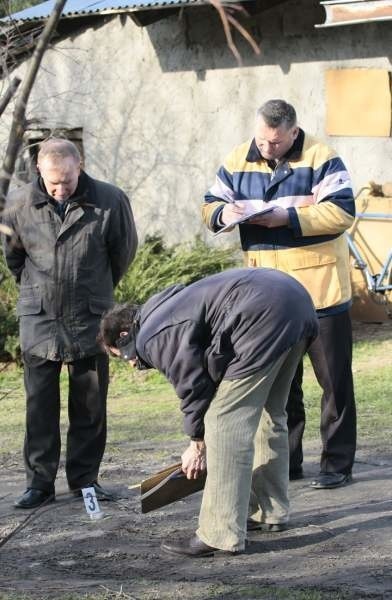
(232, 212)
(279, 217)
(194, 460)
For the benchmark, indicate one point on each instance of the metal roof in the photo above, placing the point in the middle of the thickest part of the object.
(75, 8)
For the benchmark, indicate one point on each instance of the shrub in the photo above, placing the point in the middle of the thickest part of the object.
(12, 6)
(154, 268)
(9, 346)
(157, 266)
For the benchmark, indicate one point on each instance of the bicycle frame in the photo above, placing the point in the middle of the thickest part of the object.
(375, 283)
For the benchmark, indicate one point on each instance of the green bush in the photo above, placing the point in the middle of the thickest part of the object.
(154, 268)
(9, 346)
(157, 266)
(8, 7)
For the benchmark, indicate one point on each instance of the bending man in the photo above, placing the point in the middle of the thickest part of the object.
(230, 344)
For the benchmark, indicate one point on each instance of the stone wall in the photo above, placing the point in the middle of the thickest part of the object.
(161, 106)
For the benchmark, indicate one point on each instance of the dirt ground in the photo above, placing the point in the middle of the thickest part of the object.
(339, 542)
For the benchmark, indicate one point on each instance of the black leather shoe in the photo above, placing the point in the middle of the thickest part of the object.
(252, 525)
(329, 481)
(193, 547)
(295, 474)
(33, 498)
(100, 492)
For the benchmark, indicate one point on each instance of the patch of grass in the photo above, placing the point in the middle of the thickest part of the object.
(219, 591)
(142, 406)
(373, 391)
(207, 592)
(261, 592)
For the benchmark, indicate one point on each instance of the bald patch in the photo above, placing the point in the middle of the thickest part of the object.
(57, 150)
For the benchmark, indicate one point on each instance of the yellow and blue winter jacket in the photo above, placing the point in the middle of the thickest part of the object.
(312, 183)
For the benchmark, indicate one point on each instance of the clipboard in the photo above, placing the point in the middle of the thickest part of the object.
(167, 486)
(244, 219)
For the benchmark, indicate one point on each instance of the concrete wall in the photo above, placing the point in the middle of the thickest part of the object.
(161, 106)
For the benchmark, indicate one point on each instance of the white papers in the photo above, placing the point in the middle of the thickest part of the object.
(244, 218)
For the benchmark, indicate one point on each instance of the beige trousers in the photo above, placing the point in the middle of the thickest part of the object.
(247, 453)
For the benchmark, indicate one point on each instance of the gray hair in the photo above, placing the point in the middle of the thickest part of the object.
(58, 148)
(276, 113)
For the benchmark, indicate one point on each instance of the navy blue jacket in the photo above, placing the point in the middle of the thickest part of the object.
(226, 326)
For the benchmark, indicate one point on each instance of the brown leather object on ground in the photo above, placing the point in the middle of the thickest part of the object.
(167, 486)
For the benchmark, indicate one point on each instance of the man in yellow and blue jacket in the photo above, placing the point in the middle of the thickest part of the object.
(309, 189)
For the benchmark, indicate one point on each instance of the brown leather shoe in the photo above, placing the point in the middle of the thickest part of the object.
(192, 546)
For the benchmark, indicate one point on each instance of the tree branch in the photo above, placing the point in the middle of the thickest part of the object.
(18, 124)
(245, 34)
(10, 92)
(225, 13)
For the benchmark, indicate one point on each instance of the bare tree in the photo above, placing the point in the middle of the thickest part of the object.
(226, 13)
(18, 125)
(9, 93)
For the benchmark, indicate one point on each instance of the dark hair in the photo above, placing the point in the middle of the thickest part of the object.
(276, 113)
(117, 319)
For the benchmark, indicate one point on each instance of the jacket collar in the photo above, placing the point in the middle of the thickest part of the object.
(294, 153)
(156, 300)
(147, 310)
(83, 193)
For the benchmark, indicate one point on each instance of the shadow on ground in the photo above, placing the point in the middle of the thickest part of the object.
(339, 542)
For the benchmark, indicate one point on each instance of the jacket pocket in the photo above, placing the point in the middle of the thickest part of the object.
(318, 273)
(28, 305)
(308, 259)
(98, 305)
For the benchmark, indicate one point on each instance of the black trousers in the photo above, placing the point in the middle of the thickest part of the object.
(86, 437)
(331, 358)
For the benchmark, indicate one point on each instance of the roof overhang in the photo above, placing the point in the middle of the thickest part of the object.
(20, 31)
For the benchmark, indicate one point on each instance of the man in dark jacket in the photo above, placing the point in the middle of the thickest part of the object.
(74, 238)
(230, 345)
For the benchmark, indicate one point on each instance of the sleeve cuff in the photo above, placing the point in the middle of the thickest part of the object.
(194, 427)
(216, 219)
(294, 224)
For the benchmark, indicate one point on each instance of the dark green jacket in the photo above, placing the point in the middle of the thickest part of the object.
(67, 269)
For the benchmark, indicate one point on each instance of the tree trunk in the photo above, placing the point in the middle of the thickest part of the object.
(10, 92)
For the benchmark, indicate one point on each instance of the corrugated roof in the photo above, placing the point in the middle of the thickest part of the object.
(86, 7)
